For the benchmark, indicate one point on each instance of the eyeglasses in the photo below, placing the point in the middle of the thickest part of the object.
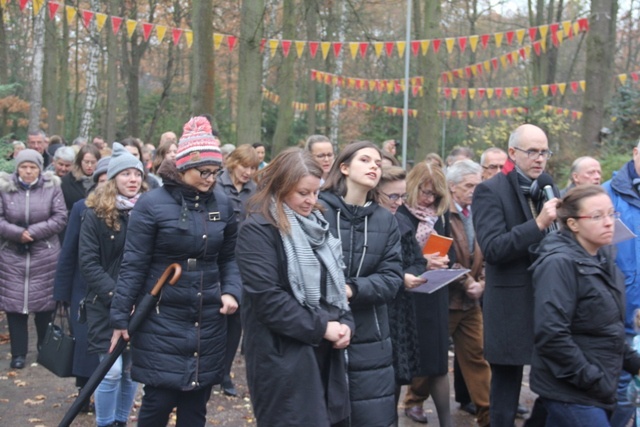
(324, 156)
(204, 174)
(89, 162)
(599, 217)
(493, 167)
(534, 154)
(395, 197)
(429, 193)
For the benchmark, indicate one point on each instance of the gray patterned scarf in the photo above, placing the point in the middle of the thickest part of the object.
(308, 244)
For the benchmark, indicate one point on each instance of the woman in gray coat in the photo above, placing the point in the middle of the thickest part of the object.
(32, 213)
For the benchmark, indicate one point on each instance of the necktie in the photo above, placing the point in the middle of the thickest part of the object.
(465, 212)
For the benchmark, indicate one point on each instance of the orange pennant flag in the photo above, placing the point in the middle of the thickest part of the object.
(101, 19)
(520, 35)
(353, 48)
(377, 47)
(473, 42)
(273, 47)
(401, 47)
(498, 37)
(161, 30)
(71, 14)
(188, 35)
(299, 48)
(217, 40)
(449, 42)
(131, 27)
(325, 46)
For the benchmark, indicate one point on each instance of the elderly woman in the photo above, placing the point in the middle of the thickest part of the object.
(77, 183)
(32, 213)
(178, 353)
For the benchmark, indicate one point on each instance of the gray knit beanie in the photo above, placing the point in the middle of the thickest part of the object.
(121, 159)
(29, 155)
(101, 168)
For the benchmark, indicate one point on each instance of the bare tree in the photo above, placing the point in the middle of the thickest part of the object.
(91, 90)
(203, 71)
(35, 98)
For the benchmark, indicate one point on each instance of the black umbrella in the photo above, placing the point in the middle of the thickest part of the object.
(137, 318)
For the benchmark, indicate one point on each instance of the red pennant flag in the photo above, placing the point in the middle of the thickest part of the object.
(484, 40)
(479, 69)
(492, 113)
(23, 4)
(533, 31)
(504, 111)
(263, 42)
(337, 48)
(436, 45)
(313, 75)
(467, 71)
(358, 84)
(457, 73)
(86, 17)
(443, 76)
(415, 47)
(176, 33)
(535, 90)
(388, 47)
(498, 92)
(146, 30)
(463, 114)
(510, 59)
(510, 35)
(554, 39)
(574, 115)
(634, 76)
(415, 90)
(362, 47)
(462, 43)
(536, 48)
(523, 53)
(463, 92)
(554, 89)
(516, 91)
(313, 48)
(554, 28)
(481, 92)
(583, 24)
(494, 62)
(286, 46)
(53, 8)
(479, 113)
(115, 24)
(398, 89)
(447, 92)
(231, 42)
(340, 81)
(574, 87)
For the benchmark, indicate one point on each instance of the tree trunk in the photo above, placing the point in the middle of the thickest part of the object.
(429, 121)
(249, 118)
(599, 69)
(311, 21)
(50, 84)
(91, 78)
(35, 98)
(62, 89)
(334, 113)
(286, 82)
(4, 56)
(112, 78)
(202, 72)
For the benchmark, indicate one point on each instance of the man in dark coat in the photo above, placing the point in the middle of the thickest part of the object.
(508, 218)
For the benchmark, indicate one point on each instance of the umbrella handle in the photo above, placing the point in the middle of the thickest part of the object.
(173, 268)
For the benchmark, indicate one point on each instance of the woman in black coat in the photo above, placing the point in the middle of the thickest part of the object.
(372, 254)
(296, 316)
(178, 352)
(579, 309)
(77, 183)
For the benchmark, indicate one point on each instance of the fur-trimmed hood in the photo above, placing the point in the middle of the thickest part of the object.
(9, 181)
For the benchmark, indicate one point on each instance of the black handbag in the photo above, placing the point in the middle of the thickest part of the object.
(57, 349)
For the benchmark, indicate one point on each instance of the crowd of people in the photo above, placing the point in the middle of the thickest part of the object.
(313, 264)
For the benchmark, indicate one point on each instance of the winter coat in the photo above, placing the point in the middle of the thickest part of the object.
(505, 228)
(627, 201)
(283, 338)
(580, 345)
(181, 344)
(101, 250)
(238, 198)
(372, 253)
(69, 286)
(73, 190)
(27, 270)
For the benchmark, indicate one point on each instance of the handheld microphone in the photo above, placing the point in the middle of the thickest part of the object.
(546, 183)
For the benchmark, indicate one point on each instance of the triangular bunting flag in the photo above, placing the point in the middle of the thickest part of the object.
(175, 35)
(498, 92)
(635, 76)
(115, 24)
(481, 93)
(363, 49)
(516, 92)
(487, 65)
(424, 45)
(299, 48)
(231, 42)
(484, 40)
(562, 87)
(472, 93)
(273, 47)
(545, 90)
(436, 45)
(473, 42)
(574, 87)
(544, 29)
(23, 4)
(188, 35)
(498, 37)
(37, 6)
(463, 92)
(131, 27)
(454, 92)
(161, 30)
(508, 91)
(87, 15)
(462, 43)
(53, 8)
(353, 48)
(622, 78)
(554, 89)
(449, 43)
(388, 48)
(523, 53)
(584, 24)
(217, 40)
(377, 48)
(337, 48)
(401, 48)
(146, 30)
(325, 46)
(503, 60)
(415, 47)
(313, 48)
(566, 28)
(520, 35)
(101, 19)
(286, 46)
(490, 92)
(510, 35)
(494, 62)
(533, 32)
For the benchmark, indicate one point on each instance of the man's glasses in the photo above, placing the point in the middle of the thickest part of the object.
(395, 197)
(493, 167)
(204, 174)
(534, 154)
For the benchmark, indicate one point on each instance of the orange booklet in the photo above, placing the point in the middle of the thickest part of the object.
(437, 244)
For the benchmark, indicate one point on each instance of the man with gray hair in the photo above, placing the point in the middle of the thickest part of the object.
(63, 161)
(492, 161)
(37, 140)
(584, 170)
(465, 314)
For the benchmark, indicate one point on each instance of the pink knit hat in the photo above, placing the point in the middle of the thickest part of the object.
(197, 145)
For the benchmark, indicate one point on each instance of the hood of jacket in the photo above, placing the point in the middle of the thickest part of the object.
(9, 181)
(621, 183)
(352, 213)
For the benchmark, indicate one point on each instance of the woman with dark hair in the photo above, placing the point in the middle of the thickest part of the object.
(296, 316)
(372, 253)
(166, 150)
(77, 183)
(178, 352)
(101, 242)
(426, 210)
(579, 295)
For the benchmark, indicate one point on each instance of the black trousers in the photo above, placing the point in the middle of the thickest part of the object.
(506, 381)
(234, 332)
(158, 403)
(18, 330)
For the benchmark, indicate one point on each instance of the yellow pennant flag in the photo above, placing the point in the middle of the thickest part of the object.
(421, 91)
(37, 5)
(401, 46)
(622, 78)
(576, 27)
(353, 48)
(449, 43)
(486, 113)
(474, 70)
(217, 40)
(450, 76)
(560, 36)
(562, 87)
(579, 114)
(525, 90)
(424, 45)
(472, 93)
(101, 19)
(489, 93)
(161, 30)
(334, 80)
(3, 4)
(273, 46)
(377, 47)
(414, 113)
(473, 42)
(487, 65)
(351, 82)
(402, 85)
(544, 29)
(565, 112)
(503, 60)
(508, 91)
(389, 88)
(498, 37)
(566, 27)
(543, 45)
(520, 35)
(454, 92)
(188, 35)
(583, 85)
(131, 27)
(527, 51)
(71, 13)
(300, 48)
(545, 89)
(325, 49)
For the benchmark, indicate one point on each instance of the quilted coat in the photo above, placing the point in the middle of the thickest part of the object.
(27, 271)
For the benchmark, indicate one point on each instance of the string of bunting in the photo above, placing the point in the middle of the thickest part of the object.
(416, 84)
(413, 113)
(558, 31)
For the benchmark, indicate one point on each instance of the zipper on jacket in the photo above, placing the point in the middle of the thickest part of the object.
(25, 306)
